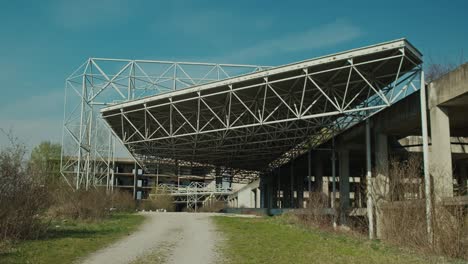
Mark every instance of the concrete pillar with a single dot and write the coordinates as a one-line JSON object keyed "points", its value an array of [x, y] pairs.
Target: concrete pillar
{"points": [[291, 177], [318, 172], [441, 154], [300, 189], [344, 183], [135, 176], [274, 189], [309, 174], [278, 191], [321, 182], [381, 181], [462, 178], [285, 186], [325, 189], [257, 196], [263, 192]]}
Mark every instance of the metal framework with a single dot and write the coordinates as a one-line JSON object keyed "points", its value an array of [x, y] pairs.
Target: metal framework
{"points": [[260, 120], [89, 146], [194, 194]]}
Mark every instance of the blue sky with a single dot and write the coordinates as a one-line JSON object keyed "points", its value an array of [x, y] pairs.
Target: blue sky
{"points": [[42, 42]]}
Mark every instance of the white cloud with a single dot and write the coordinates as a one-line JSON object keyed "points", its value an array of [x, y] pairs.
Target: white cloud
{"points": [[318, 37], [211, 24], [89, 13]]}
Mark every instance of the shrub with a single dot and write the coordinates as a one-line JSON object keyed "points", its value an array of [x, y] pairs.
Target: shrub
{"points": [[122, 201], [404, 213], [315, 213], [158, 202], [21, 198], [92, 204]]}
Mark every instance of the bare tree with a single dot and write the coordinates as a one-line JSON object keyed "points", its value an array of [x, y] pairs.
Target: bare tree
{"points": [[435, 70]]}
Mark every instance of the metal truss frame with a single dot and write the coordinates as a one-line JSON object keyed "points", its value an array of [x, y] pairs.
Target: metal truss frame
{"points": [[88, 144], [193, 194], [261, 120]]}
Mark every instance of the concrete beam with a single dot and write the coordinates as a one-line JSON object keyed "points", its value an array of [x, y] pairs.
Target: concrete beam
{"points": [[450, 86]]}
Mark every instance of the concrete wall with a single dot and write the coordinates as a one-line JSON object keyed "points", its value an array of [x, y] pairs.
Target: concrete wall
{"points": [[246, 197]]}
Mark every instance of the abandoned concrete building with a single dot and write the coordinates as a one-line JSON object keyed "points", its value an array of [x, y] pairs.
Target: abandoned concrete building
{"points": [[329, 128]]}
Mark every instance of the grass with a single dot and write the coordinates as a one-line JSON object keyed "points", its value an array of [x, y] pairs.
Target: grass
{"points": [[271, 240], [69, 241]]}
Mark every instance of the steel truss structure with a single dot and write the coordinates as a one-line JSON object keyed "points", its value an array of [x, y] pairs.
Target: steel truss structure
{"points": [[260, 120], [89, 145], [195, 194]]}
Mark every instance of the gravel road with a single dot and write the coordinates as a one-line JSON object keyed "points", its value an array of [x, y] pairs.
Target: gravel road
{"points": [[165, 238]]}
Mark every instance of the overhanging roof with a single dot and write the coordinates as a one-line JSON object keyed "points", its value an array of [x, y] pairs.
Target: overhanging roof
{"points": [[247, 122]]}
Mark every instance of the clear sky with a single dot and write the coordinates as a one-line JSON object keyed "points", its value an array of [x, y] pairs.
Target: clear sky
{"points": [[42, 42]]}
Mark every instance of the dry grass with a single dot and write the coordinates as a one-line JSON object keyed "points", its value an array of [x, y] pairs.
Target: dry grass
{"points": [[158, 200], [315, 214], [122, 201], [404, 213], [90, 204]]}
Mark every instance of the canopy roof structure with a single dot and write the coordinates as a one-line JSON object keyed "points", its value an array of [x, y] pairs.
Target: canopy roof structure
{"points": [[257, 120]]}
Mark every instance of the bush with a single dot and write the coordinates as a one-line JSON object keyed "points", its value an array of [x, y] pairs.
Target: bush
{"points": [[92, 204], [158, 202], [315, 214], [404, 214], [21, 198], [122, 201]]}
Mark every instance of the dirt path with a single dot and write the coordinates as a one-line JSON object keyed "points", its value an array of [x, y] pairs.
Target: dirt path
{"points": [[165, 238]]}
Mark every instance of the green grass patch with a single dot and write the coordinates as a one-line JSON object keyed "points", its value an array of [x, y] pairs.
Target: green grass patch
{"points": [[68, 241], [271, 240]]}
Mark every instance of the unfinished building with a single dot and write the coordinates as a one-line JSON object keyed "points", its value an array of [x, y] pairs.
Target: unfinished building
{"points": [[324, 125]]}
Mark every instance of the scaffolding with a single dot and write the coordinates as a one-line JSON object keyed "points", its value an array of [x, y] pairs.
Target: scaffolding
{"points": [[194, 194], [89, 145]]}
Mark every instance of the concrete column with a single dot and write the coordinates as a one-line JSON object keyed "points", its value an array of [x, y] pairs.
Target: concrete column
{"points": [[441, 154], [300, 189], [325, 185], [257, 195], [462, 178], [291, 177], [381, 181], [309, 173], [278, 189], [264, 196], [135, 176], [285, 186], [274, 189], [344, 183], [318, 172]]}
